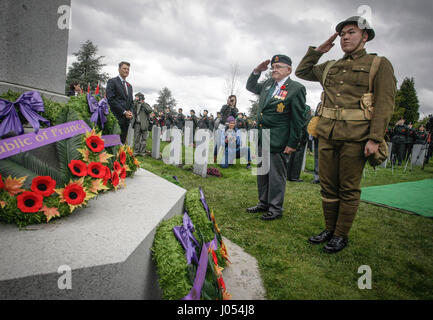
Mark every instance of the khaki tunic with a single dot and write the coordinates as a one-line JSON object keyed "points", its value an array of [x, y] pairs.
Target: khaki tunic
{"points": [[345, 83]]}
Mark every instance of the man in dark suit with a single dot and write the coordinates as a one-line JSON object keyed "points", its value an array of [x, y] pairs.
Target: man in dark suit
{"points": [[120, 99], [281, 110]]}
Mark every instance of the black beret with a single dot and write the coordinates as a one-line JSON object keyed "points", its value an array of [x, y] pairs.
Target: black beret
{"points": [[282, 59]]}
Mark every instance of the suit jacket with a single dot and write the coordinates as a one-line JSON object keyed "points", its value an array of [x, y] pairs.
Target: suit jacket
{"points": [[118, 101], [284, 117]]}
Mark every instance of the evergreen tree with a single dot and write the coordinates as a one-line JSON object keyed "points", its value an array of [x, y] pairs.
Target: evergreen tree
{"points": [[407, 99], [165, 100], [87, 69]]}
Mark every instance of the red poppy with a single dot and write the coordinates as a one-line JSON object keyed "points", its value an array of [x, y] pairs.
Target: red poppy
{"points": [[283, 87], [44, 185], [107, 175], [78, 168], [95, 143], [2, 184], [122, 157], [115, 179], [96, 170], [74, 194], [123, 173], [117, 167], [29, 201]]}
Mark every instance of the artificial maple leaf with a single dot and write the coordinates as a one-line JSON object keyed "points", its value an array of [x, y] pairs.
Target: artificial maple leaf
{"points": [[50, 212], [13, 185], [85, 153], [97, 185], [103, 157], [136, 162]]}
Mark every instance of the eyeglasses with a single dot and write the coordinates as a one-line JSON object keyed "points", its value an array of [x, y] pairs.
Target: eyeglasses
{"points": [[278, 66]]}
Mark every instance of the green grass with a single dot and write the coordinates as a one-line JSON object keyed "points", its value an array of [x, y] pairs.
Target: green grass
{"points": [[397, 246]]}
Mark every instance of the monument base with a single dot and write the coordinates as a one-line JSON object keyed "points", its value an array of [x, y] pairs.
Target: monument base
{"points": [[106, 247], [6, 86]]}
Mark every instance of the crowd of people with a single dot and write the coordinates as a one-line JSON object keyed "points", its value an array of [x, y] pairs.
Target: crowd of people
{"points": [[403, 137]]}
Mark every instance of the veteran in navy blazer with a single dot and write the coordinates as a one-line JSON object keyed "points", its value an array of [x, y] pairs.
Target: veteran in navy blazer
{"points": [[120, 98]]}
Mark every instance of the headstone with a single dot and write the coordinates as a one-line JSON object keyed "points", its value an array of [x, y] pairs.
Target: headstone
{"points": [[156, 142], [34, 39], [201, 153], [189, 133], [172, 153], [304, 160], [418, 154], [130, 136], [164, 134], [384, 164]]}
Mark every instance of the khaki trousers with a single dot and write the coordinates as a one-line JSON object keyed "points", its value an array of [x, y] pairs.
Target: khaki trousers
{"points": [[340, 170]]}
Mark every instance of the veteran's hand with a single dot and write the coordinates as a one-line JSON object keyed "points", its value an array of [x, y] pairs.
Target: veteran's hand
{"points": [[263, 66], [288, 150], [328, 44], [370, 148]]}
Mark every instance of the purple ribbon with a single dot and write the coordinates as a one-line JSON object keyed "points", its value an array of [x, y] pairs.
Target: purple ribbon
{"points": [[203, 201], [186, 238], [195, 292], [29, 103], [111, 140], [99, 110]]}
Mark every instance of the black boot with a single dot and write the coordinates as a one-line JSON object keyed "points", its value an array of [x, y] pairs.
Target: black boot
{"points": [[335, 244], [256, 209], [323, 236]]}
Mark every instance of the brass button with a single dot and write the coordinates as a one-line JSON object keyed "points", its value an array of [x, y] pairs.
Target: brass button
{"points": [[341, 82], [338, 94], [336, 106], [261, 113], [260, 126], [344, 70]]}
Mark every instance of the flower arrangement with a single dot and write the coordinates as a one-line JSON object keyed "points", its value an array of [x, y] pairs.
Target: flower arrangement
{"points": [[95, 171], [176, 275]]}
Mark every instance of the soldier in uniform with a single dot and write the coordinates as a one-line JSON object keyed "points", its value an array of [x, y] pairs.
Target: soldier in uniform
{"points": [[410, 139], [281, 108], [399, 142], [194, 120], [140, 123], [203, 123], [180, 119], [350, 127]]}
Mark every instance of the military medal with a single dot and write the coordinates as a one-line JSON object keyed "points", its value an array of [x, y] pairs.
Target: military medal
{"points": [[280, 107]]}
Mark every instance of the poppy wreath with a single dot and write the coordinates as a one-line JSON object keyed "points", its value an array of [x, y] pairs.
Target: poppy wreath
{"points": [[95, 171]]}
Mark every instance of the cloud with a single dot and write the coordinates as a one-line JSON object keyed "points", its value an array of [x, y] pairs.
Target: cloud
{"points": [[189, 45]]}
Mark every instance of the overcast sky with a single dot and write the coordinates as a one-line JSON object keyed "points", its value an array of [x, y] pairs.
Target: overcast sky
{"points": [[189, 46]]}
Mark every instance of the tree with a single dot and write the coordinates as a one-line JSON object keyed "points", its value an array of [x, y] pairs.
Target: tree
{"points": [[165, 100], [87, 69], [232, 84], [407, 99], [252, 112]]}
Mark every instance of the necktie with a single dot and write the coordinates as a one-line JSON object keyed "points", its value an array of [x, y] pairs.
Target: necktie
{"points": [[124, 87]]}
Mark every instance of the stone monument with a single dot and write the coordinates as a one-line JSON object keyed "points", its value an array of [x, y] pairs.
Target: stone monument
{"points": [[34, 37]]}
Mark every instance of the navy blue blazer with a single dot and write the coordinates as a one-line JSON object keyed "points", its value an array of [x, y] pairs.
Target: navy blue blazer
{"points": [[118, 101]]}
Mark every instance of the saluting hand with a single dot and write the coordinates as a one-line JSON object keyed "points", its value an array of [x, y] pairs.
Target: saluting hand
{"points": [[328, 44], [263, 66]]}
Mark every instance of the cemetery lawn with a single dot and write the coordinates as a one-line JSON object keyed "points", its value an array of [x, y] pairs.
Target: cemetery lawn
{"points": [[396, 246]]}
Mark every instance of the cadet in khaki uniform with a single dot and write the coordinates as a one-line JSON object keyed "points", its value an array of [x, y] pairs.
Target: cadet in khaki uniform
{"points": [[281, 110], [349, 131]]}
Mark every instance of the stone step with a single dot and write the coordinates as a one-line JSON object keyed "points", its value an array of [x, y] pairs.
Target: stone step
{"points": [[106, 246]]}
